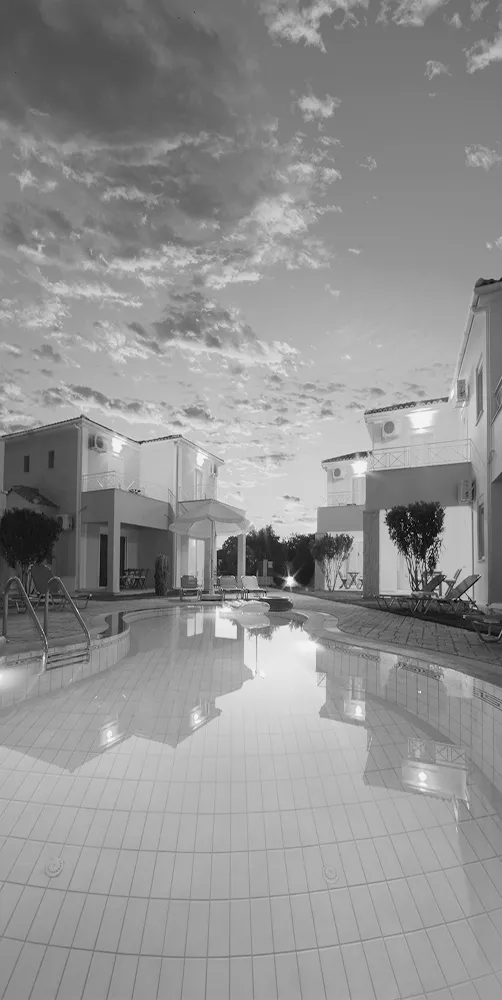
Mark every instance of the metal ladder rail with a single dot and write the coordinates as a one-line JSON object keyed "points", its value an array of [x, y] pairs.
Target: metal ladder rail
{"points": [[73, 607], [24, 595]]}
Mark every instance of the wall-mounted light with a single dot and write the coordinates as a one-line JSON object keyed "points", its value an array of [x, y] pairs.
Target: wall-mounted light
{"points": [[360, 467], [423, 420], [200, 459], [117, 446], [422, 777]]}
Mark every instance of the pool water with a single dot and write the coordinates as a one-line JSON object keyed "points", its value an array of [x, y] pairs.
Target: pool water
{"points": [[238, 811]]}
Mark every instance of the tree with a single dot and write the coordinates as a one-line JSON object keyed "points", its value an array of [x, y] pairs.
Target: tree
{"points": [[27, 537], [260, 545], [329, 552], [416, 532], [301, 562], [161, 575]]}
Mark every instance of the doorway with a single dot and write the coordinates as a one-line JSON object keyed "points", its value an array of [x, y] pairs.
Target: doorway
{"points": [[123, 554], [103, 559]]}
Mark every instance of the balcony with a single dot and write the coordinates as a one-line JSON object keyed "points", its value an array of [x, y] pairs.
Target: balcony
{"points": [[416, 455], [117, 481], [341, 499]]}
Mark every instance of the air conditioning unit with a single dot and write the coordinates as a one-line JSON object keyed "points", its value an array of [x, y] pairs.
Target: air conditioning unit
{"points": [[337, 474], [390, 429], [96, 442], [462, 394], [466, 491], [65, 521]]}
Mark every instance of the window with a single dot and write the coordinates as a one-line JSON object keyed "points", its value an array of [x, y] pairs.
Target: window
{"points": [[479, 391], [51, 459], [26, 463], [481, 530]]}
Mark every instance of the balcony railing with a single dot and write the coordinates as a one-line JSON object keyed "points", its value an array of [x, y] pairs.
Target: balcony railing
{"points": [[117, 481], [341, 499], [207, 492], [416, 455]]}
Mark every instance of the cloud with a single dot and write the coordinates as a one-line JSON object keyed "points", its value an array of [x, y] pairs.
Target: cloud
{"points": [[303, 25], [27, 179], [315, 108], [370, 163], [335, 292], [47, 352], [353, 250], [454, 22], [477, 8], [290, 499], [481, 156], [483, 53], [152, 69], [195, 323], [415, 12], [10, 348], [434, 68]]}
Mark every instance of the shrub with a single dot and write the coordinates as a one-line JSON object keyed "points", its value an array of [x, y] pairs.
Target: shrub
{"points": [[161, 575], [27, 537]]}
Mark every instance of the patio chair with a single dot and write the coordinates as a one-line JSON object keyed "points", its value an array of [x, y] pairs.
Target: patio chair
{"points": [[229, 585], [456, 602], [386, 602], [40, 576], [190, 585], [250, 585]]}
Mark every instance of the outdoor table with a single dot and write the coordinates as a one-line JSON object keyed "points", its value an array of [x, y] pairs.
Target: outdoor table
{"points": [[353, 578], [492, 621], [344, 582], [359, 583]]}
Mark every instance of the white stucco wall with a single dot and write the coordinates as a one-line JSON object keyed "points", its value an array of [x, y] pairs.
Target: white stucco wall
{"points": [[456, 552]]}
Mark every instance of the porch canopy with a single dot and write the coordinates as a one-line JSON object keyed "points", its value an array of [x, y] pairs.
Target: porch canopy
{"points": [[205, 519]]}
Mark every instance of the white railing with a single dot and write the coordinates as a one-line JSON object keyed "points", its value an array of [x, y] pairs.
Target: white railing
{"points": [[118, 481], [207, 492], [437, 753], [340, 499], [414, 455]]}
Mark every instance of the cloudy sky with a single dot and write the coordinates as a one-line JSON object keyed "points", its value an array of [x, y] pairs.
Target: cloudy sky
{"points": [[245, 222]]}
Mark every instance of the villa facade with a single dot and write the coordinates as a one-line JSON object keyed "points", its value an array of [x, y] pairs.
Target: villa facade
{"points": [[116, 498], [447, 449]]}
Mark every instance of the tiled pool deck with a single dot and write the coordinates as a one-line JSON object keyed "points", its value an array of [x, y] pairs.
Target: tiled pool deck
{"points": [[271, 853]]}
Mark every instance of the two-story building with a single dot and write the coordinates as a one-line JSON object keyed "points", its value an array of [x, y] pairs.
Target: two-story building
{"points": [[419, 451], [343, 513], [115, 498]]}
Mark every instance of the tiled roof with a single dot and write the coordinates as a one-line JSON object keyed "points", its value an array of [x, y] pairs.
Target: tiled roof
{"points": [[408, 406], [33, 496], [81, 418], [347, 458]]}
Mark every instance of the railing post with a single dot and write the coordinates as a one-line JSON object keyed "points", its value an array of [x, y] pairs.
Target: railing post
{"points": [[46, 612]]}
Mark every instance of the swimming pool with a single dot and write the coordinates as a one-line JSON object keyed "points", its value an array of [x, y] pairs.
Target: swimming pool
{"points": [[243, 812]]}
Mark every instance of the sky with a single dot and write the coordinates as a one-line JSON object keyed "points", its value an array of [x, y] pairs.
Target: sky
{"points": [[244, 222]]}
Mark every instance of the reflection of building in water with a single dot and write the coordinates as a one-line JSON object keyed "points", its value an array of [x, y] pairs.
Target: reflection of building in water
{"points": [[436, 769], [201, 664], [345, 699]]}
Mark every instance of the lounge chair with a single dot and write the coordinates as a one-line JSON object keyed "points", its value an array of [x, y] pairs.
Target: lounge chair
{"points": [[456, 603], [190, 585], [229, 585], [251, 586], [386, 602], [40, 577]]}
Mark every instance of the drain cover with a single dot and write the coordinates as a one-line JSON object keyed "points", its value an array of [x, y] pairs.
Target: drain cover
{"points": [[330, 874], [54, 867]]}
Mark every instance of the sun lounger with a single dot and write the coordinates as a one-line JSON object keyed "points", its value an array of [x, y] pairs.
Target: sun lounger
{"points": [[229, 585], [387, 602], [251, 586], [40, 576], [189, 585], [456, 603]]}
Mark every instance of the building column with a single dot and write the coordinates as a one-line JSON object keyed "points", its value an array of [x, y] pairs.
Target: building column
{"points": [[113, 567], [241, 555], [371, 552]]}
